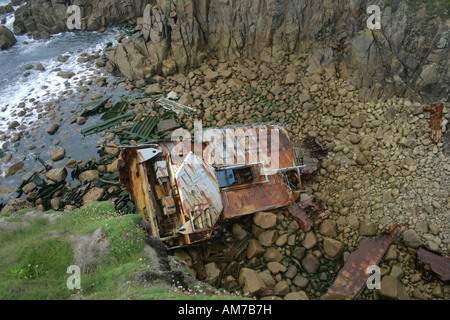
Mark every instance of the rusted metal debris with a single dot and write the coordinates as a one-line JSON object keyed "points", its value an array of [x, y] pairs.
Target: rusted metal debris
{"points": [[317, 149], [433, 265], [185, 193], [352, 278], [309, 213], [232, 254], [436, 112]]}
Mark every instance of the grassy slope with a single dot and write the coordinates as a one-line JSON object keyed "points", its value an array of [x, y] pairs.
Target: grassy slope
{"points": [[34, 259]]}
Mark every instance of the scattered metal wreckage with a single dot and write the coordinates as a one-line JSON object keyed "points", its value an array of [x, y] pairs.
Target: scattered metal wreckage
{"points": [[309, 213], [436, 114], [352, 278], [184, 194], [433, 265]]}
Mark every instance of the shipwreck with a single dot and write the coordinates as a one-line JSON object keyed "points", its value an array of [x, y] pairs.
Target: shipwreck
{"points": [[184, 187]]}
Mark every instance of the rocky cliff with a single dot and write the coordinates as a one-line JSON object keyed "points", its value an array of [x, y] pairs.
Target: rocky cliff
{"points": [[407, 57]]}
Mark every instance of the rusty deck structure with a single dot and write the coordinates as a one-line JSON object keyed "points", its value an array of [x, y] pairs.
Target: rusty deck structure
{"points": [[184, 188]]}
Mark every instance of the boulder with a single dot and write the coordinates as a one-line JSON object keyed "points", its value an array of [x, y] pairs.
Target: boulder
{"points": [[57, 175], [272, 254], [66, 74], [15, 205], [299, 295], [88, 176], [391, 288], [276, 267], [93, 195], [268, 238], [333, 248], [251, 282], [58, 154], [411, 239], [328, 228], [52, 129], [12, 170], [265, 220], [254, 249], [310, 263], [310, 240], [212, 271], [367, 228], [7, 38]]}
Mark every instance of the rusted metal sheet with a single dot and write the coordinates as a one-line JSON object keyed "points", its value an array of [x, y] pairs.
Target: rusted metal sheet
{"points": [[433, 264], [436, 114], [317, 149], [309, 213], [352, 278], [199, 193]]}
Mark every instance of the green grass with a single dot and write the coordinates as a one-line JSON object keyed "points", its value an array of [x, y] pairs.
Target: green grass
{"points": [[34, 259]]}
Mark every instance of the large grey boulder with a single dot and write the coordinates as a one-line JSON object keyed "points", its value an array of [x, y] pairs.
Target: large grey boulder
{"points": [[7, 39]]}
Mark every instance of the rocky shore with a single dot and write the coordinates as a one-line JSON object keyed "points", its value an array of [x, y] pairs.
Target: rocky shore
{"points": [[382, 167]]}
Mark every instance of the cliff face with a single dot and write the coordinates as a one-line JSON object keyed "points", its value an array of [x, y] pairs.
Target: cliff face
{"points": [[407, 57]]}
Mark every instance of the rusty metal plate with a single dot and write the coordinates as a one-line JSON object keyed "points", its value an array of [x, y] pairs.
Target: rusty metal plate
{"points": [[434, 264], [309, 213], [352, 278]]}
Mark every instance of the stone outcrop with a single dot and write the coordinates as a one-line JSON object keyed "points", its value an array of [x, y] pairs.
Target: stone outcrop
{"points": [[7, 39], [407, 57]]}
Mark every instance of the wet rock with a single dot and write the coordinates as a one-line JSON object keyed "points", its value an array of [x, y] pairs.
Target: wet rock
{"points": [[7, 158], [7, 38], [12, 170], [13, 125], [71, 163], [81, 121], [52, 129], [30, 187], [57, 175], [58, 154], [66, 74], [88, 176]]}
